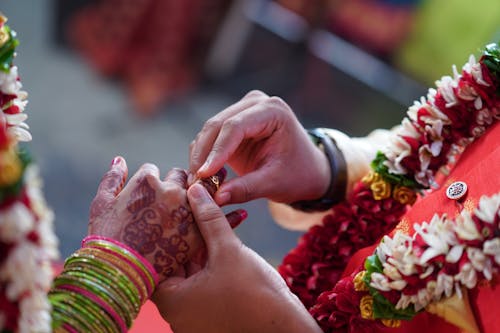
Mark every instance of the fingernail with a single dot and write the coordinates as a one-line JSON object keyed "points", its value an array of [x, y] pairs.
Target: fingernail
{"points": [[236, 217], [243, 214], [222, 198], [221, 174], [116, 161], [198, 192], [202, 169]]}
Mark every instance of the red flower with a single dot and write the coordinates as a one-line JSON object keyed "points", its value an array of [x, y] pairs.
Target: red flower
{"points": [[323, 252]]}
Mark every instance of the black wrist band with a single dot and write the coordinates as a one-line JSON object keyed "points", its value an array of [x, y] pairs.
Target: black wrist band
{"points": [[338, 182]]}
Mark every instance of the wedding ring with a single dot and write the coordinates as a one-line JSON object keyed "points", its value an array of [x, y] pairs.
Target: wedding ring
{"points": [[215, 181]]}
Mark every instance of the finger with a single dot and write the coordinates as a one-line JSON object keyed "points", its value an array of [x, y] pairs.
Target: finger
{"points": [[257, 122], [213, 183], [246, 188], [177, 176], [210, 219], [201, 146], [149, 171], [236, 217], [113, 180]]}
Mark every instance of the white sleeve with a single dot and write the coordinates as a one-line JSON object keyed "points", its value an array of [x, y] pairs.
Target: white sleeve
{"points": [[358, 154]]}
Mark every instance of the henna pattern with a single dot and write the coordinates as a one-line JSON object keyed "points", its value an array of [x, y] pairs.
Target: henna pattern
{"points": [[141, 197], [142, 235], [176, 247], [163, 263], [183, 218]]}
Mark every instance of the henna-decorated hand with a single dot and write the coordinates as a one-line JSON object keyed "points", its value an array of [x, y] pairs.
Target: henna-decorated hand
{"points": [[150, 215]]}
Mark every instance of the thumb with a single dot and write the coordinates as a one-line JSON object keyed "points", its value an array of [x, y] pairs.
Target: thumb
{"points": [[113, 180], [253, 185], [213, 225]]}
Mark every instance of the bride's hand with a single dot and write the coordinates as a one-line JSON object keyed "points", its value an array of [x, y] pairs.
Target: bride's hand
{"points": [[149, 214]]}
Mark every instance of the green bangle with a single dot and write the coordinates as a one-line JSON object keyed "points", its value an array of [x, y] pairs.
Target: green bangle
{"points": [[338, 181]]}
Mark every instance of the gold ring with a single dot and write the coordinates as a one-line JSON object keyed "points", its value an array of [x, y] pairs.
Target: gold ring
{"points": [[215, 181]]}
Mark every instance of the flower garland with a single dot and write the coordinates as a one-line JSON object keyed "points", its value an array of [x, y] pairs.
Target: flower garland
{"points": [[27, 240], [436, 130]]}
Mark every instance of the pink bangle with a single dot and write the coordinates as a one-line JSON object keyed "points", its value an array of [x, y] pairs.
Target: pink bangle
{"points": [[136, 254], [137, 269], [69, 328], [98, 301]]}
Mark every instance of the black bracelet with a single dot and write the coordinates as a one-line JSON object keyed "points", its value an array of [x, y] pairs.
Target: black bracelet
{"points": [[338, 183]]}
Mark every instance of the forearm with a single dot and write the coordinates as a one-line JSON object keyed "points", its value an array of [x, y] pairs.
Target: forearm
{"points": [[357, 153]]}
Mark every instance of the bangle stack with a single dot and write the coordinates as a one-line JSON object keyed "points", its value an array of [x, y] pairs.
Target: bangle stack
{"points": [[102, 288], [338, 183]]}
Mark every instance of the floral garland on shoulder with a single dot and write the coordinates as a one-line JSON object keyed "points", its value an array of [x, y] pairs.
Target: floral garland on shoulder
{"points": [[27, 241], [446, 254]]}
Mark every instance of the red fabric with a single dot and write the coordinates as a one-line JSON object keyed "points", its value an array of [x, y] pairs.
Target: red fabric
{"points": [[149, 320], [479, 169]]}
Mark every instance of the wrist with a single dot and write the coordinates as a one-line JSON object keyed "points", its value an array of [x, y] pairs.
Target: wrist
{"points": [[336, 174]]}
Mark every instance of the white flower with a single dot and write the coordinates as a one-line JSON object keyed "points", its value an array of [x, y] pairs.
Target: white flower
{"points": [[20, 269], [484, 117], [395, 153], [480, 262], [35, 314], [455, 254], [405, 301], [444, 285], [431, 289], [380, 282], [9, 83], [488, 208], [492, 248], [467, 276], [20, 133], [423, 299], [446, 86], [48, 239], [438, 235], [474, 68], [391, 272], [16, 222], [465, 227]]}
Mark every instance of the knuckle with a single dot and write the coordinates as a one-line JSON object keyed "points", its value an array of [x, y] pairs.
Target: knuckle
{"points": [[277, 103], [209, 214], [255, 93], [246, 192], [232, 124], [212, 124]]}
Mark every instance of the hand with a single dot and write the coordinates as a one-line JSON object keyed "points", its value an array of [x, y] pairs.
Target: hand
{"points": [[150, 215], [236, 291], [264, 143]]}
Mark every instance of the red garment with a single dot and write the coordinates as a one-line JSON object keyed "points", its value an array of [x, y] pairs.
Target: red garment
{"points": [[479, 169]]}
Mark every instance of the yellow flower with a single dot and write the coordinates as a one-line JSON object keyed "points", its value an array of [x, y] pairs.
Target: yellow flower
{"points": [[359, 284], [391, 322], [10, 167], [404, 195], [370, 178], [381, 189], [4, 36], [366, 307]]}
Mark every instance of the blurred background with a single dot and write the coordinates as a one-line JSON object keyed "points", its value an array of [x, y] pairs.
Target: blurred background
{"points": [[140, 77]]}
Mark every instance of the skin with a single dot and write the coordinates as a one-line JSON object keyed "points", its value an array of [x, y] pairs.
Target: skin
{"points": [[236, 291], [152, 216], [260, 138]]}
